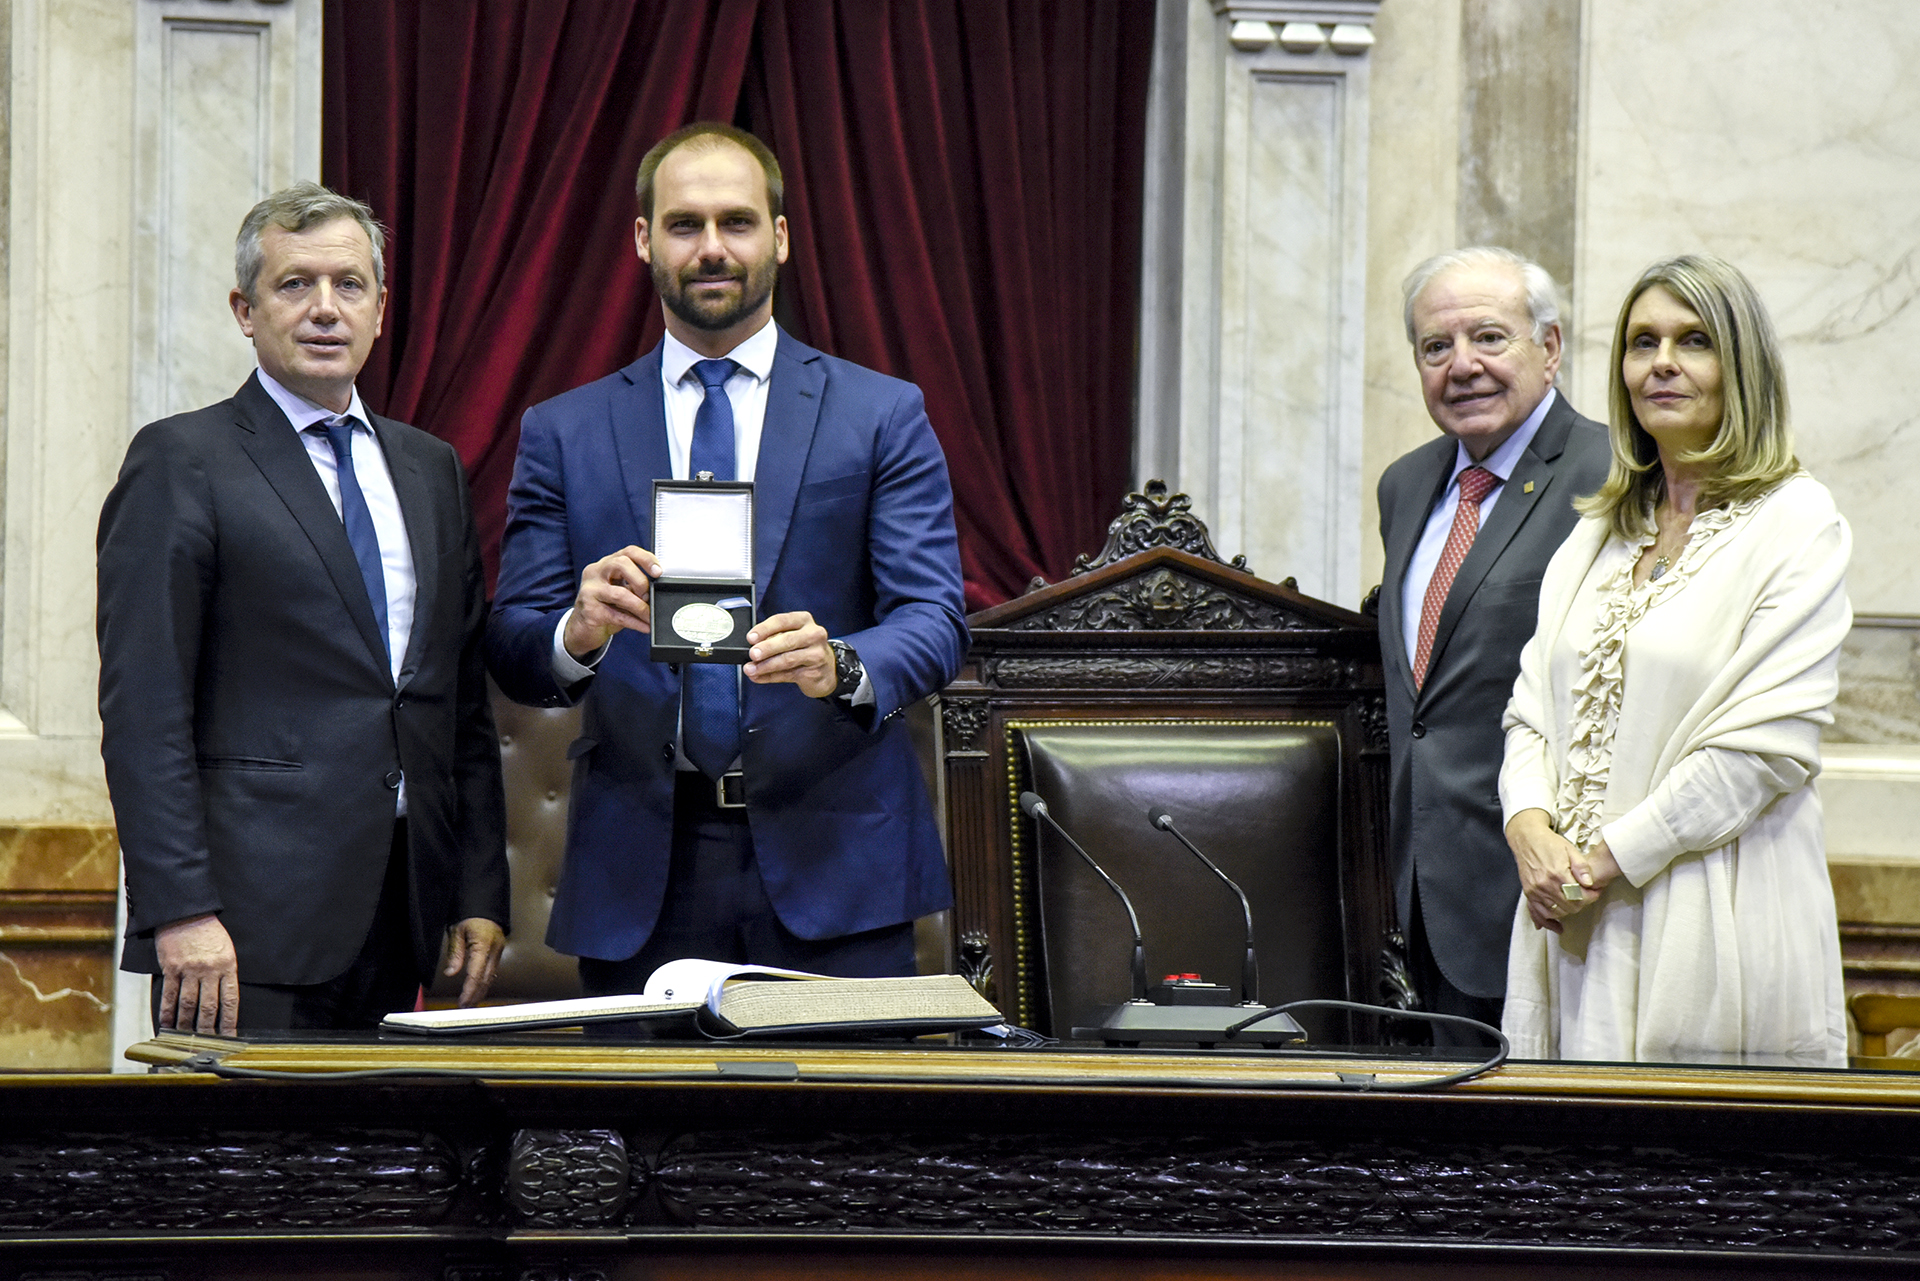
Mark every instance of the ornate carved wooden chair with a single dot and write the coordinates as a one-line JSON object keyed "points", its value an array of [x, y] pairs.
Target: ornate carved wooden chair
{"points": [[1159, 674]]}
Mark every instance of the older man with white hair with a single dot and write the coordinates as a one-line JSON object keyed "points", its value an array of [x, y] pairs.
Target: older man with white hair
{"points": [[1469, 521]]}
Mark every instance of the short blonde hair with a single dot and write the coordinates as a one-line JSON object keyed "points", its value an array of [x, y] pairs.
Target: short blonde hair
{"points": [[1753, 450]]}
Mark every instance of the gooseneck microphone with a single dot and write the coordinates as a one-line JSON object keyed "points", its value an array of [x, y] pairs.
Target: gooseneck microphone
{"points": [[1034, 807], [1250, 965]]}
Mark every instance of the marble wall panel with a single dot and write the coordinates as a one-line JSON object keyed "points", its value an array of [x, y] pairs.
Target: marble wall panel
{"points": [[1520, 62], [55, 1008], [1879, 686], [214, 168], [220, 89], [1785, 138], [1875, 892], [57, 936], [1253, 316], [68, 377], [1279, 392], [1413, 176], [63, 858], [1871, 798]]}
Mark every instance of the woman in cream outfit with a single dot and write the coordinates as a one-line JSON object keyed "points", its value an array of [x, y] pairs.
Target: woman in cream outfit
{"points": [[1665, 730]]}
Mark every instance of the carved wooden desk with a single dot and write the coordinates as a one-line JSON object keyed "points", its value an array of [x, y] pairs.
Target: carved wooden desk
{"points": [[569, 1160]]}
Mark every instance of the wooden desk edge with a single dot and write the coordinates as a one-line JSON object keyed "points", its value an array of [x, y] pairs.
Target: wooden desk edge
{"points": [[859, 1067]]}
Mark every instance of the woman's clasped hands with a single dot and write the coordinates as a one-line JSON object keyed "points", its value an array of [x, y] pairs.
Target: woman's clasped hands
{"points": [[1556, 878]]}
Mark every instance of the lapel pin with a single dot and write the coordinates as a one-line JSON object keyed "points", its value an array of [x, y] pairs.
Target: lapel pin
{"points": [[1527, 488]]}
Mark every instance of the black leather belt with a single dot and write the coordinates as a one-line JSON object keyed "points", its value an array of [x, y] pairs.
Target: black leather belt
{"points": [[728, 792]]}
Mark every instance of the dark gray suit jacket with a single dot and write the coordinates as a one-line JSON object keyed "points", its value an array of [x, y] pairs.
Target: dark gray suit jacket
{"points": [[252, 730], [1446, 737]]}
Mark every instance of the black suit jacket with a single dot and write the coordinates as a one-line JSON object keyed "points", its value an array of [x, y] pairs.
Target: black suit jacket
{"points": [[252, 730], [1446, 738]]}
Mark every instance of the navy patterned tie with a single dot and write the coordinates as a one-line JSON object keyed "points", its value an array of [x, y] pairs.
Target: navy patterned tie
{"points": [[359, 521], [710, 702]]}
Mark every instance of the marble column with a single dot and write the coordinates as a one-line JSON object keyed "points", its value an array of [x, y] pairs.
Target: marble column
{"points": [[1254, 285]]}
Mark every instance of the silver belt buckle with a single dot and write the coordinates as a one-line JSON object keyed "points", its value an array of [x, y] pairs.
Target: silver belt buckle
{"points": [[730, 791]]}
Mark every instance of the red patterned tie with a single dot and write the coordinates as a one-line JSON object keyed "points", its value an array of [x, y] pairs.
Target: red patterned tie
{"points": [[1475, 484]]}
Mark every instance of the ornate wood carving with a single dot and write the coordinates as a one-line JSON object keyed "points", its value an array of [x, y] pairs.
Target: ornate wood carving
{"points": [[976, 962], [567, 1178], [1396, 975], [204, 1181], [1373, 722], [1355, 1191], [1154, 518], [1161, 600], [962, 719], [1262, 671]]}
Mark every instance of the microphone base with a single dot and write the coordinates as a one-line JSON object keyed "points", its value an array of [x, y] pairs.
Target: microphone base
{"points": [[1144, 1023]]}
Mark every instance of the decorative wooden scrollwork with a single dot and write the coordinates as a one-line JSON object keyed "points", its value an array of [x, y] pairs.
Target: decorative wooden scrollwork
{"points": [[976, 962], [962, 720], [229, 1181], [1164, 600], [1373, 722], [1285, 671], [567, 1178], [1471, 1190], [1155, 518]]}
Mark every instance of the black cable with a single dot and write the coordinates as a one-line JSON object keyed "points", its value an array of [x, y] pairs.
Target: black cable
{"points": [[1460, 1020]]}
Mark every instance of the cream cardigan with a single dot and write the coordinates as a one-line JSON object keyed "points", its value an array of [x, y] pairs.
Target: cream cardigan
{"points": [[1681, 720]]}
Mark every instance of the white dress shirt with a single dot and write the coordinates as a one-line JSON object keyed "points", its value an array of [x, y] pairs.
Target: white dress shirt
{"points": [[383, 504], [1433, 540], [683, 395]]}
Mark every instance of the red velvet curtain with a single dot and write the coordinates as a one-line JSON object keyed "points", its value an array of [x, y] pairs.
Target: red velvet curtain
{"points": [[963, 189]]}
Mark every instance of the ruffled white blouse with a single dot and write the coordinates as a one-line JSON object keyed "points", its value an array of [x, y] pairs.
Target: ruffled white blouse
{"points": [[1680, 720]]}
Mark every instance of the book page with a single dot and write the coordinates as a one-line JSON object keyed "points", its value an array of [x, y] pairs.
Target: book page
{"points": [[692, 979], [928, 998], [583, 1009]]}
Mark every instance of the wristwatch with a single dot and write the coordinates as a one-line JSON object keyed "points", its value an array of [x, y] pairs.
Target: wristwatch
{"points": [[847, 670]]}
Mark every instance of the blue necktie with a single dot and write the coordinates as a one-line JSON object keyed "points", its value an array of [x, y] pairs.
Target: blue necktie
{"points": [[710, 703], [358, 520]]}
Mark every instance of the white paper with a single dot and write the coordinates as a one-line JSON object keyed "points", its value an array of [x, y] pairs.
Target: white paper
{"points": [[578, 1009], [699, 535], [694, 979]]}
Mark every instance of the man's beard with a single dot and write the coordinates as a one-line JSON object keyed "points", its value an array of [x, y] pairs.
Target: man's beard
{"points": [[756, 286]]}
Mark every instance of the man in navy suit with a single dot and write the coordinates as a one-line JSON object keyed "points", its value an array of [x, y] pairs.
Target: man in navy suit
{"points": [[773, 813]]}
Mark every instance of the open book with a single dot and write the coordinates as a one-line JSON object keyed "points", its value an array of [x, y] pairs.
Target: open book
{"points": [[724, 1000]]}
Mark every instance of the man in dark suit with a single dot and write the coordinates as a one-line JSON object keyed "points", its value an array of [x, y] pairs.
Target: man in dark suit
{"points": [[1469, 522], [292, 690], [780, 818]]}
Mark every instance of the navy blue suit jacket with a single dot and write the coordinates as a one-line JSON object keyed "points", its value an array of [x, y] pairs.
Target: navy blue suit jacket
{"points": [[853, 523]]}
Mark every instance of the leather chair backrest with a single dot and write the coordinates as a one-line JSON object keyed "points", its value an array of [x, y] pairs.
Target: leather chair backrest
{"points": [[533, 761], [1261, 799]]}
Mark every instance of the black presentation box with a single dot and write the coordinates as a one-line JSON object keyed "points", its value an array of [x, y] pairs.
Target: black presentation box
{"points": [[703, 602]]}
